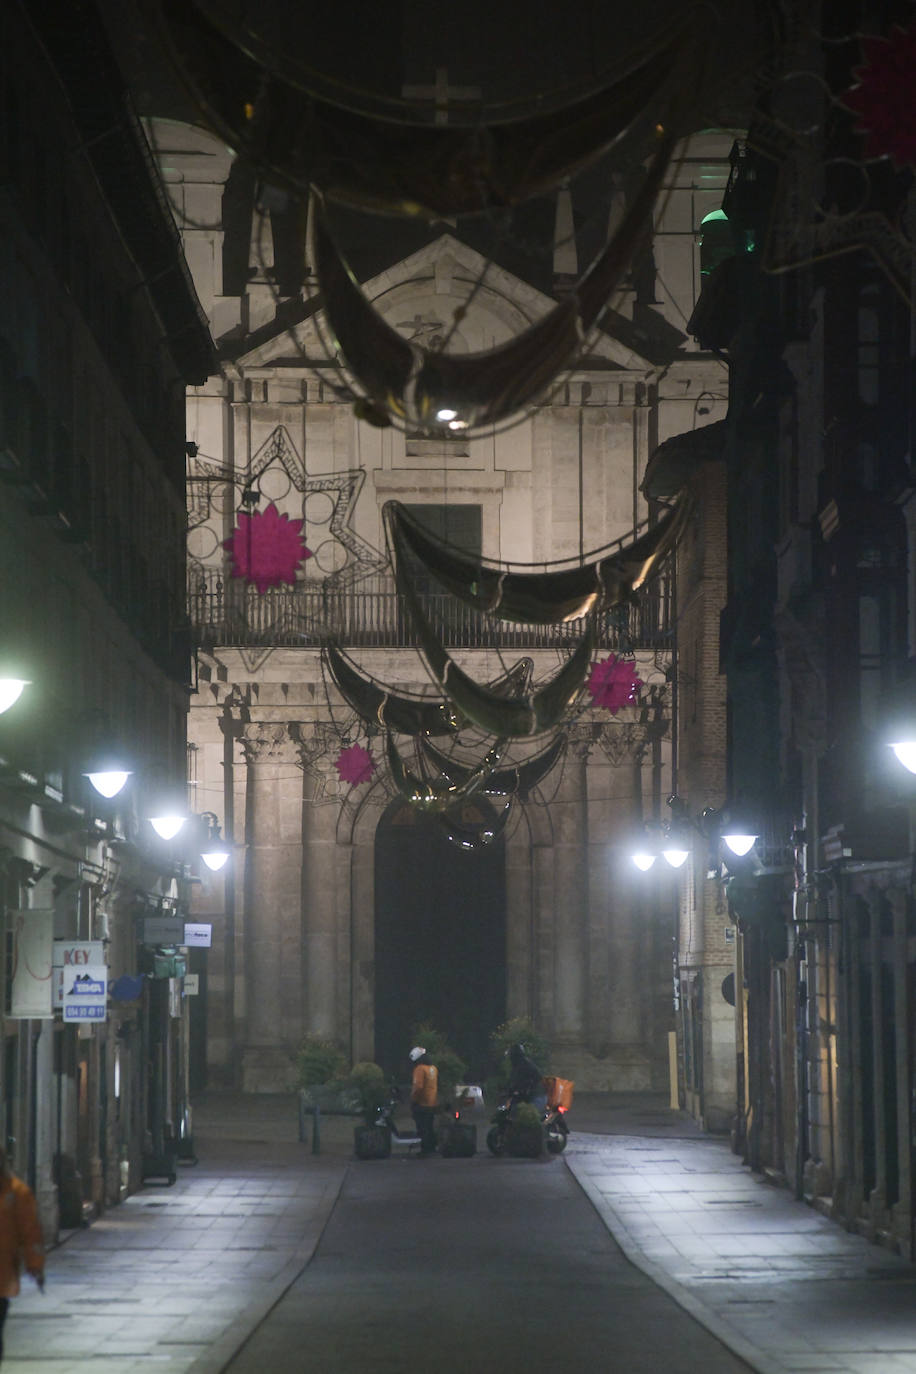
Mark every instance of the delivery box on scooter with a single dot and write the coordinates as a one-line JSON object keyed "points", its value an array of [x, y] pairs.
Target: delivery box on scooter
{"points": [[559, 1092]]}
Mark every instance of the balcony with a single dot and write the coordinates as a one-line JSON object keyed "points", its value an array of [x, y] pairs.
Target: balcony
{"points": [[371, 614]]}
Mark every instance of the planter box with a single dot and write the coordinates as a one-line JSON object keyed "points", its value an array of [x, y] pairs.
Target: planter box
{"points": [[458, 1140], [371, 1142], [525, 1142]]}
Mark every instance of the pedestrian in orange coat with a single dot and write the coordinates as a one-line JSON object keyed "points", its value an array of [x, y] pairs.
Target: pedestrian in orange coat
{"points": [[424, 1095], [20, 1237]]}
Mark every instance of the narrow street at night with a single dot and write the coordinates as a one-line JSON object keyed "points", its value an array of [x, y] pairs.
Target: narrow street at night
{"points": [[646, 1247]]}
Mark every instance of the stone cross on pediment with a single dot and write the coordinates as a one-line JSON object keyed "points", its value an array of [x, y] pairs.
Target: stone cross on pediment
{"points": [[443, 95]]}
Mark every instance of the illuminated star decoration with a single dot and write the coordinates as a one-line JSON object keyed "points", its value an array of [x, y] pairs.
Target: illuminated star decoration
{"points": [[355, 765], [882, 99], [267, 548], [613, 682]]}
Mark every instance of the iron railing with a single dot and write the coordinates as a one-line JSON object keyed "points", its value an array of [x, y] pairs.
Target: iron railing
{"points": [[372, 614]]}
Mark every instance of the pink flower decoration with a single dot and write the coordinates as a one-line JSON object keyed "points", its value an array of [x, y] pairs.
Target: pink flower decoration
{"points": [[613, 682], [883, 96], [267, 548], [355, 765]]}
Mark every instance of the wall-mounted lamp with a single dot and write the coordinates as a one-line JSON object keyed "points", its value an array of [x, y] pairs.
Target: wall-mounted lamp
{"points": [[673, 840], [11, 689], [215, 853]]}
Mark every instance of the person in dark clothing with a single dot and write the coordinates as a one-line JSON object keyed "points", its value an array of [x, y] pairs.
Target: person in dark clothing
{"points": [[525, 1079]]}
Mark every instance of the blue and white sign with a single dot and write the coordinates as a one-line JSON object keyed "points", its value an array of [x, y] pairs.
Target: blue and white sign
{"points": [[86, 993]]}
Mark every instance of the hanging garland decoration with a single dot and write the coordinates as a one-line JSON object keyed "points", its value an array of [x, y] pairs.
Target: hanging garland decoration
{"points": [[445, 393], [355, 765], [613, 683], [515, 780], [542, 598], [882, 98], [266, 548]]}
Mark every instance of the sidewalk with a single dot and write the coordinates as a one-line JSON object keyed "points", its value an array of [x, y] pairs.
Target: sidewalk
{"points": [[176, 1278], [780, 1285]]}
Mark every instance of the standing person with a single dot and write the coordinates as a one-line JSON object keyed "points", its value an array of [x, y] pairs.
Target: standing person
{"points": [[424, 1095], [20, 1237]]}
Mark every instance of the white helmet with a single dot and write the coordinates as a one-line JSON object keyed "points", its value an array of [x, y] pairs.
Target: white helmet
{"points": [[416, 1053]]}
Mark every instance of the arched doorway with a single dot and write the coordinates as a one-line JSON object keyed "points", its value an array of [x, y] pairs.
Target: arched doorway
{"points": [[440, 935]]}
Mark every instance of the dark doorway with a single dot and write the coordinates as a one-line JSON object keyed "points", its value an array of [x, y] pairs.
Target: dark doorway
{"points": [[440, 936]]}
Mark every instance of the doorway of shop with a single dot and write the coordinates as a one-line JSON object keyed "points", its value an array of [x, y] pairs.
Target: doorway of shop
{"points": [[440, 937]]}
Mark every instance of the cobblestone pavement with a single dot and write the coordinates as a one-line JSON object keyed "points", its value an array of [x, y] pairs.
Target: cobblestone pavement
{"points": [[180, 1278]]}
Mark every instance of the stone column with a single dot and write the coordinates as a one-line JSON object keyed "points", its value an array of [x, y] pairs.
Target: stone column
{"points": [[273, 965], [570, 855], [325, 923], [521, 931]]}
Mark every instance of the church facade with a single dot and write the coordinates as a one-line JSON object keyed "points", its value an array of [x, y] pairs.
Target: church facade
{"points": [[347, 912]]}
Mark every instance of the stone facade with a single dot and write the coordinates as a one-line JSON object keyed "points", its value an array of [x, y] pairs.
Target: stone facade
{"points": [[587, 948]]}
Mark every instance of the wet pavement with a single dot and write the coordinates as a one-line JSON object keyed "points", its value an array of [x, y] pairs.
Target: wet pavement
{"points": [[647, 1246]]}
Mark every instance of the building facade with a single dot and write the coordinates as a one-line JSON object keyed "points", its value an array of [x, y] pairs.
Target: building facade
{"points": [[330, 879], [100, 334]]}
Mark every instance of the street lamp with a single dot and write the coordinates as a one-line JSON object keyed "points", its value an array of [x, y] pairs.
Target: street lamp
{"points": [[215, 854], [11, 689]]}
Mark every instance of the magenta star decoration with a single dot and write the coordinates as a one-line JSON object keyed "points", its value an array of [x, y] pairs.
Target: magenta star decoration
{"points": [[883, 96], [355, 765], [267, 548], [613, 682]]}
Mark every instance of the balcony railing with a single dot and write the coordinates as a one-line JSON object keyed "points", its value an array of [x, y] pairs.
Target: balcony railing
{"points": [[371, 614]]}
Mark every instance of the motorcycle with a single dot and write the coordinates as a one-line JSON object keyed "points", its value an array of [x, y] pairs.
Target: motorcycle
{"points": [[553, 1119]]}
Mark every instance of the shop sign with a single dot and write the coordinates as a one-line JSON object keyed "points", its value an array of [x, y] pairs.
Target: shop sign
{"points": [[163, 930], [32, 934], [197, 936], [191, 986], [86, 993], [70, 955]]}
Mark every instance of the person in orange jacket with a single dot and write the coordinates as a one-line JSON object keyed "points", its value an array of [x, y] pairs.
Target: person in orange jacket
{"points": [[20, 1237], [424, 1095]]}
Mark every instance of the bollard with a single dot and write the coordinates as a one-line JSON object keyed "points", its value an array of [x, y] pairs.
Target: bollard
{"points": [[316, 1130], [301, 1115]]}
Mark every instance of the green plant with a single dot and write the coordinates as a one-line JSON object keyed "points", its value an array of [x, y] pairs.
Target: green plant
{"points": [[520, 1030], [319, 1061], [452, 1068], [368, 1083], [526, 1117]]}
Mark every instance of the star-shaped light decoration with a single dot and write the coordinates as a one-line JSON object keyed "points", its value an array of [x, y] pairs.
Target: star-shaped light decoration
{"points": [[883, 95], [614, 682], [267, 548], [355, 765]]}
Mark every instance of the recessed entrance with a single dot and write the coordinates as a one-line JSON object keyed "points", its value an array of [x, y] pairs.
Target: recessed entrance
{"points": [[440, 936]]}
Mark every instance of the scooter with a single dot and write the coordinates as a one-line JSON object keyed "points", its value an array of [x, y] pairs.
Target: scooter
{"points": [[402, 1140], [553, 1119]]}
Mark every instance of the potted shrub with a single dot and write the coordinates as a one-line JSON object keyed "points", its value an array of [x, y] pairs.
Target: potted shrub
{"points": [[371, 1140], [525, 1133]]}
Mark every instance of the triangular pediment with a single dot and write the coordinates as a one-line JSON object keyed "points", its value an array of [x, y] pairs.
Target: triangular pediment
{"points": [[445, 289]]}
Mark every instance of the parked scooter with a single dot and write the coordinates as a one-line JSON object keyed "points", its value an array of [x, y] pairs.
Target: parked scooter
{"points": [[553, 1118], [401, 1140]]}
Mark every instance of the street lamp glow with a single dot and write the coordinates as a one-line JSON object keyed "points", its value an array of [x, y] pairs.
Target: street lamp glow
{"points": [[215, 859], [109, 781], [643, 860], [905, 753], [675, 857], [739, 843], [168, 826], [11, 689]]}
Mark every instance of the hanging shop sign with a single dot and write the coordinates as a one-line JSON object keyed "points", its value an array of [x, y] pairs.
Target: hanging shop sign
{"points": [[70, 956], [163, 930], [32, 935], [197, 936], [86, 993]]}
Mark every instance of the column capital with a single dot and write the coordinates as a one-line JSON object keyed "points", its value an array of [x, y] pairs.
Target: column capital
{"points": [[268, 741]]}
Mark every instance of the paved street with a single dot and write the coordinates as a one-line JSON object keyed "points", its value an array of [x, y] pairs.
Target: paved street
{"points": [[265, 1256]]}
